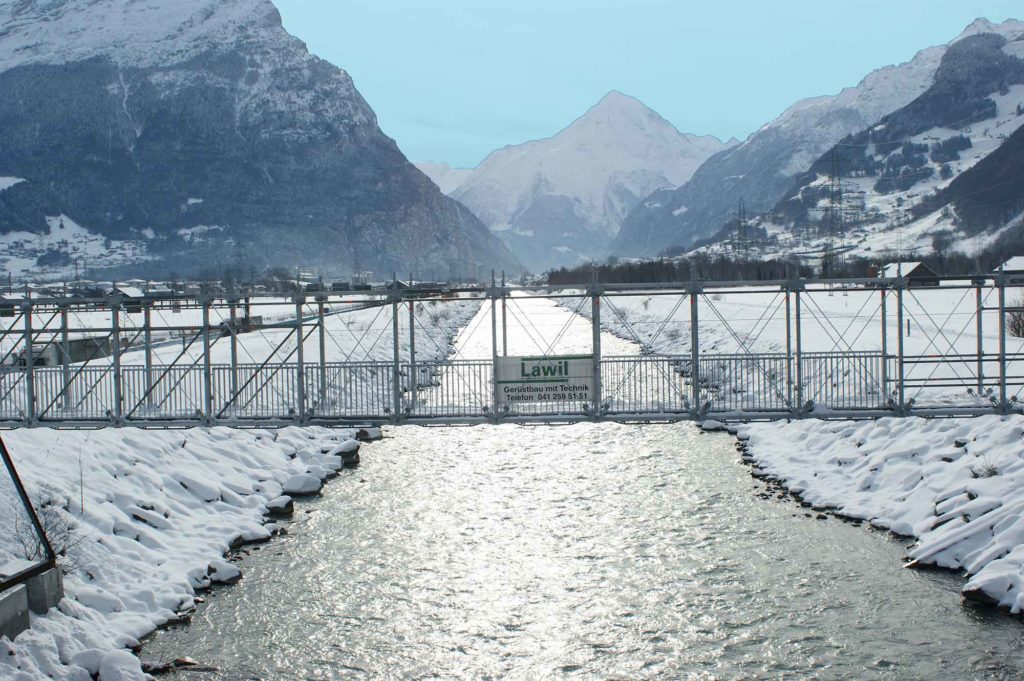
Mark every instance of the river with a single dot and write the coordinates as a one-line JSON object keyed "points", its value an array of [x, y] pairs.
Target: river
{"points": [[582, 551]]}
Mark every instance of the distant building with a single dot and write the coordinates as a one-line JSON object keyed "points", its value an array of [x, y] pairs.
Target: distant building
{"points": [[1014, 270], [916, 273]]}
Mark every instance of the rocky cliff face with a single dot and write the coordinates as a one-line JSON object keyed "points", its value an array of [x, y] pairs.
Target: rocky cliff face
{"points": [[764, 167], [204, 131]]}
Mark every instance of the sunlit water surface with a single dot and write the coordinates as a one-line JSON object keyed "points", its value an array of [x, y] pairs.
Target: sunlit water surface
{"points": [[584, 551]]}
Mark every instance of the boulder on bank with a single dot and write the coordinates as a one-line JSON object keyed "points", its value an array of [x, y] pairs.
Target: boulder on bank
{"points": [[303, 485], [348, 451], [281, 506], [369, 434], [222, 572]]}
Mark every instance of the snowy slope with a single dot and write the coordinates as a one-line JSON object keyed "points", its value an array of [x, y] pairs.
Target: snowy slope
{"points": [[763, 168], [447, 178], [560, 199], [895, 175]]}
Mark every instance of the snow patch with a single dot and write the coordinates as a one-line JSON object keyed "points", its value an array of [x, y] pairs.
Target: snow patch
{"points": [[8, 182]]}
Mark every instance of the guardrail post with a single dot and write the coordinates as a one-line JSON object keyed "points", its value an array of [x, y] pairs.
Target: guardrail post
{"points": [[979, 306], [30, 366], [695, 291], [1004, 403], [495, 395], [901, 374], [789, 346], [115, 343], [322, 334], [798, 320], [413, 376], [504, 320], [885, 343], [300, 359], [233, 328], [147, 341], [396, 383], [65, 362], [207, 365], [595, 329]]}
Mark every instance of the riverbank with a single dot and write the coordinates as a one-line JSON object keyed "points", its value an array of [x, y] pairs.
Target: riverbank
{"points": [[147, 518], [956, 485]]}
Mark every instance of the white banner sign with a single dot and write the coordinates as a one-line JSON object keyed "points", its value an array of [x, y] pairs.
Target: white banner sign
{"points": [[530, 380]]}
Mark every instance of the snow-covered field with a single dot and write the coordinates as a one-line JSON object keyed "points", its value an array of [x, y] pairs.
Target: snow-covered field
{"points": [[938, 321], [352, 333], [955, 484], [153, 515]]}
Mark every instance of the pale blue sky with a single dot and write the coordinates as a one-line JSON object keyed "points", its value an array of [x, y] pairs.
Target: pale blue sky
{"points": [[452, 80]]}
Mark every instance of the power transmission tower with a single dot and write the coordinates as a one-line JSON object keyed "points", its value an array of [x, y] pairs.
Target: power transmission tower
{"points": [[835, 221], [742, 242]]}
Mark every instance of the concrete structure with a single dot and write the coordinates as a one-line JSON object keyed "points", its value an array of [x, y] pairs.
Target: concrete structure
{"points": [[14, 611], [45, 591]]}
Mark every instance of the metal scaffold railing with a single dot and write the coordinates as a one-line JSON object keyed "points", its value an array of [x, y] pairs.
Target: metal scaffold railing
{"points": [[700, 349]]}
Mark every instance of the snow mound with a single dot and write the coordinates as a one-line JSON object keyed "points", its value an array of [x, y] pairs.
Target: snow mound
{"points": [[154, 514], [956, 485], [303, 485]]}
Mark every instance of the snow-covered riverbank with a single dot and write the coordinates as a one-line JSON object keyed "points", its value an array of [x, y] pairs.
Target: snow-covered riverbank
{"points": [[153, 515], [955, 484]]}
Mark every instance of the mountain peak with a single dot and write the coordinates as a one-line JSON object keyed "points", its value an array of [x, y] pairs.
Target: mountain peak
{"points": [[618, 106]]}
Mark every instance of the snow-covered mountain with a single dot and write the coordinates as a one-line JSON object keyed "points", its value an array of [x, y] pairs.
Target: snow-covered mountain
{"points": [[152, 121], [764, 167], [940, 174], [558, 200]]}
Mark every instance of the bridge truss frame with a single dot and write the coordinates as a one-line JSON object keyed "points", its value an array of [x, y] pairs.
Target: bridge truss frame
{"points": [[745, 384]]}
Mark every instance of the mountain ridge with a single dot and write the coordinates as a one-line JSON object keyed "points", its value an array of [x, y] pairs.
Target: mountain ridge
{"points": [[762, 168], [559, 199], [212, 120]]}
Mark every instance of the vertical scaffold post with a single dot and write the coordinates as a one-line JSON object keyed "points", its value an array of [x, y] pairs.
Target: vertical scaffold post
{"points": [[595, 328], [322, 339], [1004, 401], [300, 361], [504, 318], [413, 375], [115, 347], [695, 291], [65, 360], [495, 395], [147, 342], [789, 344], [901, 370], [30, 366], [884, 306], [798, 325], [979, 312], [207, 364], [396, 383], [233, 330]]}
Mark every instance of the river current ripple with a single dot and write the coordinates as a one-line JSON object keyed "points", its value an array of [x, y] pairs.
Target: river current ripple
{"points": [[586, 551]]}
